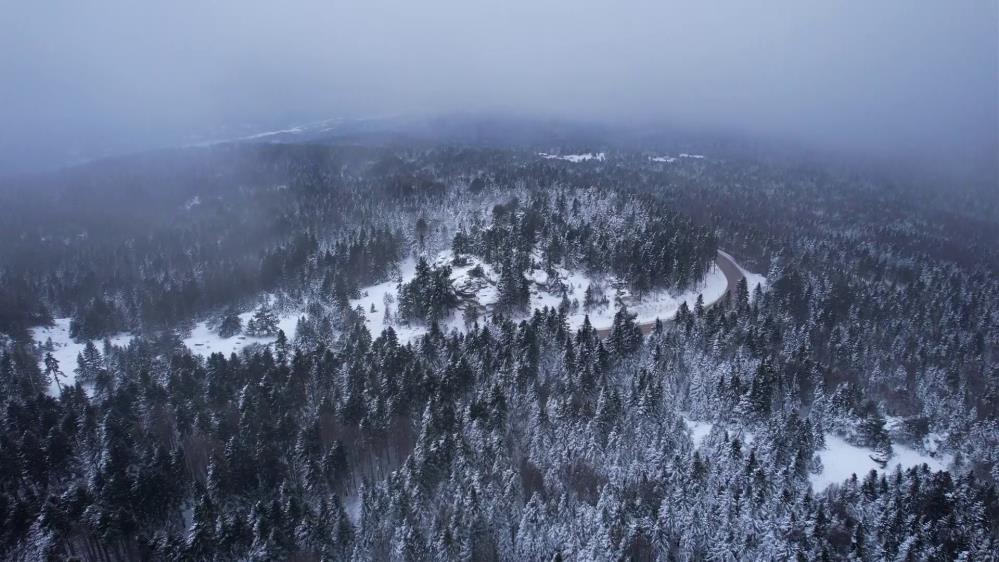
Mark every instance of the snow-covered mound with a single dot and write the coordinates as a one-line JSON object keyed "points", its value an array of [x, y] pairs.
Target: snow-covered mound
{"points": [[574, 158], [65, 350]]}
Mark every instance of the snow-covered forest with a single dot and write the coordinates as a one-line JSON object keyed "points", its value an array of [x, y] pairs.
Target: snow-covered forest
{"points": [[404, 352]]}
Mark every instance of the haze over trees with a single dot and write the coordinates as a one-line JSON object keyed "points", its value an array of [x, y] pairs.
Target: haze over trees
{"points": [[462, 281], [510, 435]]}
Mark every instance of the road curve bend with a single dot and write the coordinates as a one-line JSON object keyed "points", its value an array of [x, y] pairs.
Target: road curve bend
{"points": [[733, 274]]}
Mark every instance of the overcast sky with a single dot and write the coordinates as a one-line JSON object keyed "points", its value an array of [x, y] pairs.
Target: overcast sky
{"points": [[79, 78]]}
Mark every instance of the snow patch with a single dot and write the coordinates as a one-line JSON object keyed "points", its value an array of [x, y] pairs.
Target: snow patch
{"points": [[373, 301], [841, 459], [65, 350], [204, 340], [698, 430], [574, 158], [352, 506]]}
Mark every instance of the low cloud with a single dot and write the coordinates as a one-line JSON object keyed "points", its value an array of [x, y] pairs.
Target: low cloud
{"points": [[86, 78]]}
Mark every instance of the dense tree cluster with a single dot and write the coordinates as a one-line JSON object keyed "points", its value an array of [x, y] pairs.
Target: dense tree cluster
{"points": [[430, 296], [636, 238], [519, 438], [515, 441]]}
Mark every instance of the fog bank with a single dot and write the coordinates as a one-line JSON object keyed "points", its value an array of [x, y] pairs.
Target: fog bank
{"points": [[87, 79]]}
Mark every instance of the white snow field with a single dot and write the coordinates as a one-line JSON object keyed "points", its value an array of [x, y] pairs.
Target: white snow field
{"points": [[841, 459], [474, 279], [574, 158], [376, 295], [698, 430], [65, 350], [205, 341], [481, 289], [667, 159], [202, 341]]}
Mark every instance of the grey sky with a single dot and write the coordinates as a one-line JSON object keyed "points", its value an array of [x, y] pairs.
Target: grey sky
{"points": [[79, 78]]}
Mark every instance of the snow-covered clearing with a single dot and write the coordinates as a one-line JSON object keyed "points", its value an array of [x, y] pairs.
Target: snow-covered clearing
{"points": [[840, 460], [574, 158], [65, 350], [698, 430], [477, 282], [352, 504], [375, 298], [660, 304], [667, 159], [473, 278], [204, 340], [663, 159]]}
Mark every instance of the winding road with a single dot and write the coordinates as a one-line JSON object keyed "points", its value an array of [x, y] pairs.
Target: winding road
{"points": [[733, 274]]}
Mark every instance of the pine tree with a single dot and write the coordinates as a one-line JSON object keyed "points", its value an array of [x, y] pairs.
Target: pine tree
{"points": [[263, 323], [52, 371], [626, 336], [88, 363], [231, 325]]}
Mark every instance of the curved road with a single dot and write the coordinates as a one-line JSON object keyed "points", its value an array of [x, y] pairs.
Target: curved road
{"points": [[732, 273]]}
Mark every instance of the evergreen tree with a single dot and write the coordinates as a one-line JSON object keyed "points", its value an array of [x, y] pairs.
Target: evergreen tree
{"points": [[625, 336]]}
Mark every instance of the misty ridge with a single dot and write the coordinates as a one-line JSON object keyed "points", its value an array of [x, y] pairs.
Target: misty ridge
{"points": [[490, 281], [94, 80]]}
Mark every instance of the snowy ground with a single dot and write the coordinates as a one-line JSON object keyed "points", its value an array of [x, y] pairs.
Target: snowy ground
{"points": [[667, 159], [546, 290], [202, 341], [657, 304], [205, 341], [574, 158], [65, 350], [840, 459], [376, 298], [663, 159], [387, 294], [698, 430]]}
